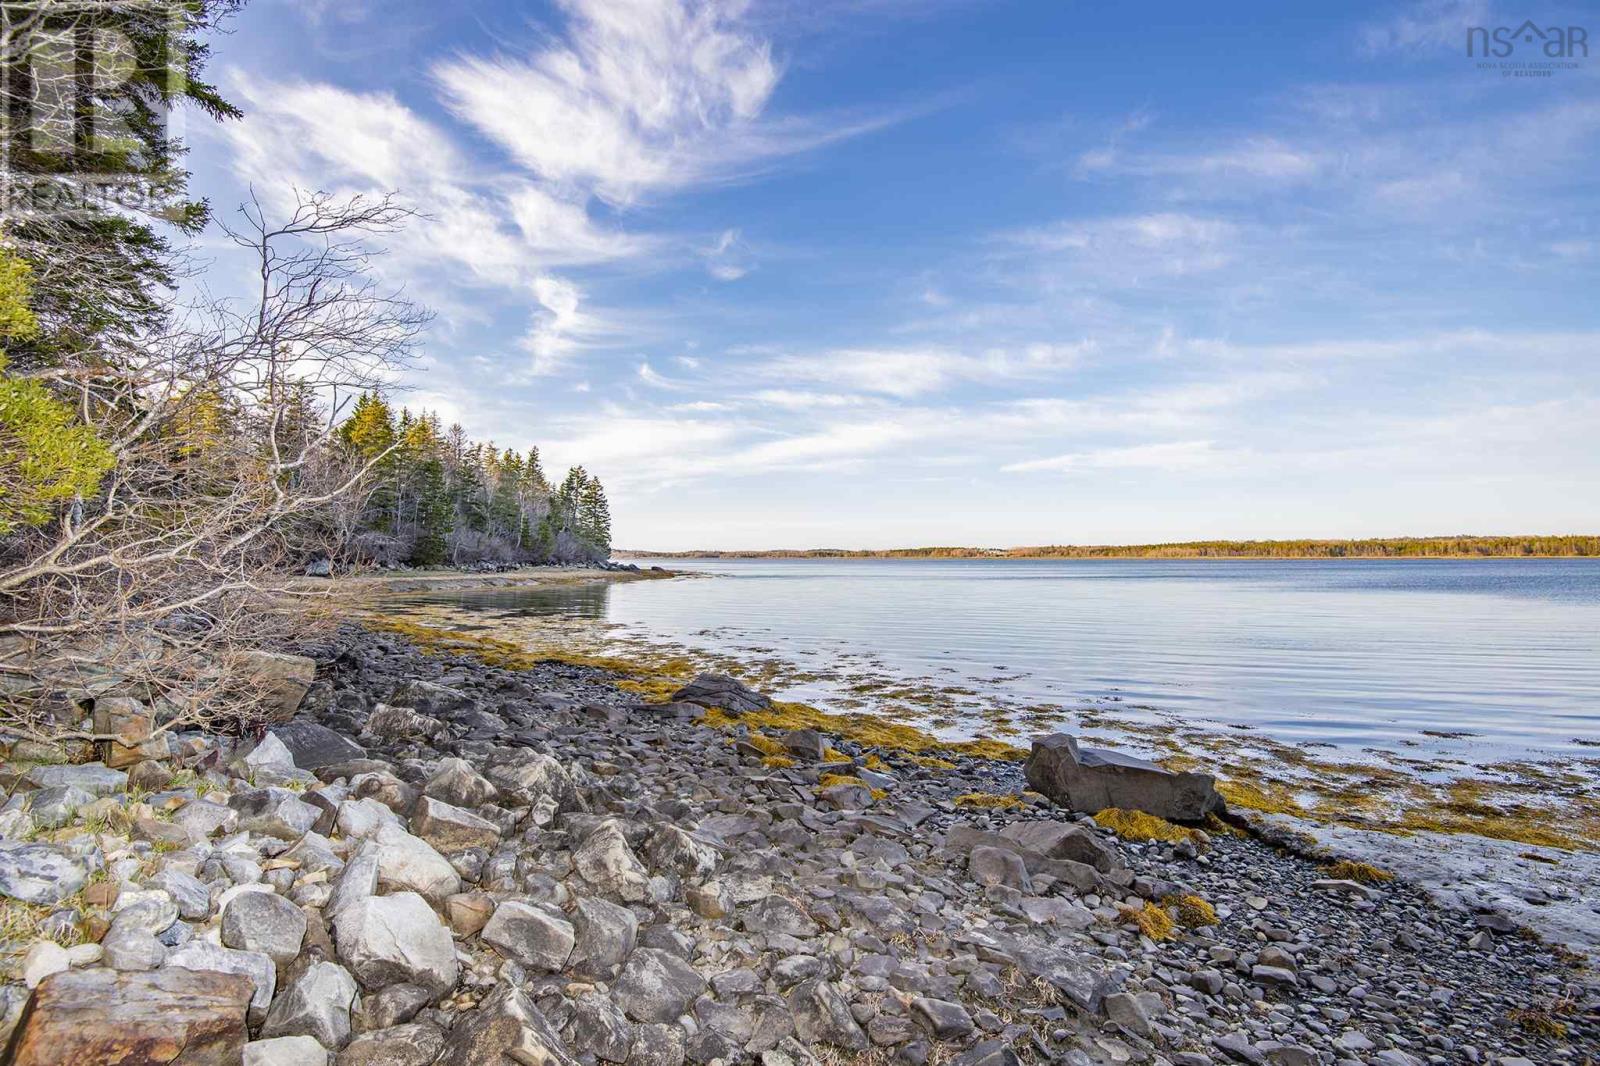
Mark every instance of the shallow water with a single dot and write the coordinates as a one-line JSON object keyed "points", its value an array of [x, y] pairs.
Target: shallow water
{"points": [[1359, 654]]}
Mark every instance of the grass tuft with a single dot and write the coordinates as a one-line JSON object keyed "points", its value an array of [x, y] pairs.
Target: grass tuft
{"points": [[1139, 826], [1151, 920], [1359, 872], [1193, 912]]}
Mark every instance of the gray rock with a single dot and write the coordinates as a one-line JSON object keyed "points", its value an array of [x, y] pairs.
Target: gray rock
{"points": [[269, 754], [417, 1044], [131, 948], [506, 1028], [192, 897], [314, 746], [316, 1004], [384, 940], [285, 1051], [943, 1019], [202, 955], [532, 936], [274, 812], [39, 873], [604, 937], [203, 819], [457, 783], [1059, 840], [407, 863], [1092, 779], [448, 828], [822, 1016], [264, 922], [606, 861], [656, 986], [95, 778], [598, 1028], [719, 690]]}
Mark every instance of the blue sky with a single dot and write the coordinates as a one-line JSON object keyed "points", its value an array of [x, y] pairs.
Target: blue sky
{"points": [[884, 272]]}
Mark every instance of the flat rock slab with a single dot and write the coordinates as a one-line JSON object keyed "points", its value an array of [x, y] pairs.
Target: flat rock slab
{"points": [[1092, 779], [719, 690], [171, 1017]]}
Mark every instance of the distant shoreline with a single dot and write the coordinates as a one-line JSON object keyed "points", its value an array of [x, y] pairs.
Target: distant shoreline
{"points": [[1462, 547]]}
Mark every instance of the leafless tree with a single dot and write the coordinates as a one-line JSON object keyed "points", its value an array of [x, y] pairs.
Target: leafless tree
{"points": [[228, 475]]}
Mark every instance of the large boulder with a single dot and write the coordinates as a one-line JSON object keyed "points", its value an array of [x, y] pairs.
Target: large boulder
{"points": [[656, 986], [173, 1017], [384, 940], [280, 678], [317, 1004], [606, 861], [458, 784], [505, 1028], [409, 863], [264, 922], [39, 873], [1092, 779], [721, 691], [314, 746], [204, 956], [535, 937], [451, 829]]}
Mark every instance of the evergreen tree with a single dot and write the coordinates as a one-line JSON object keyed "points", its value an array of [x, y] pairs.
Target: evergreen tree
{"points": [[594, 517]]}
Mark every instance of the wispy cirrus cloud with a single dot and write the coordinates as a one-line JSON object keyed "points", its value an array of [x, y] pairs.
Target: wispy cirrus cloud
{"points": [[1168, 455], [619, 102]]}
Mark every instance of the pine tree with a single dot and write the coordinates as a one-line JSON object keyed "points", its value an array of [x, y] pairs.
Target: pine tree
{"points": [[594, 517], [435, 517]]}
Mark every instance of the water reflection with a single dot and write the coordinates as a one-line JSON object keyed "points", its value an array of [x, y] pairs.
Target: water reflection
{"points": [[586, 600]]}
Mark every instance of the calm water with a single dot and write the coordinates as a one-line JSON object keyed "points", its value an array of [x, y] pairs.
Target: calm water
{"points": [[1358, 653]]}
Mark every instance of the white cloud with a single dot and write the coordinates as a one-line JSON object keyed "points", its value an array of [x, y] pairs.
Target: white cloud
{"points": [[561, 328], [1166, 242], [635, 97], [1173, 455], [1430, 25], [907, 372]]}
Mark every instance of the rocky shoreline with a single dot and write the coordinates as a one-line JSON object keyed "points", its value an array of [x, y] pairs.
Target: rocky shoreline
{"points": [[443, 862]]}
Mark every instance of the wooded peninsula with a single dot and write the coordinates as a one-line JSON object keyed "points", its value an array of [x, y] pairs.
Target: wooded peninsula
{"points": [[1456, 547]]}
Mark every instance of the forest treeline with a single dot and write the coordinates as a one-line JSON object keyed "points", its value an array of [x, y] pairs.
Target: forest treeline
{"points": [[437, 497], [1370, 548]]}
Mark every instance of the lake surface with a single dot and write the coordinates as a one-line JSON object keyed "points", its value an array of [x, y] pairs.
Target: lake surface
{"points": [[1360, 654]]}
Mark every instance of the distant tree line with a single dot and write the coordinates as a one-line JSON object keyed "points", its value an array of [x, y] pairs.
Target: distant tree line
{"points": [[437, 497], [1371, 548]]}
